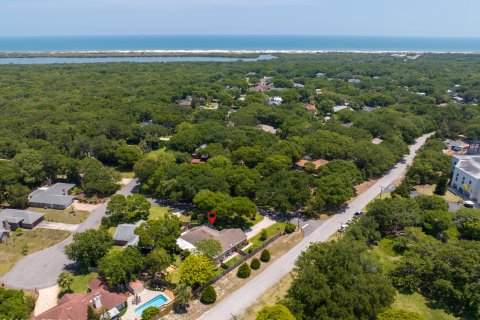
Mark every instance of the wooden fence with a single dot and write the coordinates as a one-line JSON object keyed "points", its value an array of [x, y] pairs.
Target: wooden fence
{"points": [[196, 292]]}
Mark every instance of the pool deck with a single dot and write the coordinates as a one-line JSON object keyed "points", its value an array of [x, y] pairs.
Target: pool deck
{"points": [[145, 295]]}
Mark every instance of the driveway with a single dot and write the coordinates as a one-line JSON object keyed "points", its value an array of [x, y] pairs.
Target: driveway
{"points": [[254, 230], [41, 269], [235, 304], [57, 226]]}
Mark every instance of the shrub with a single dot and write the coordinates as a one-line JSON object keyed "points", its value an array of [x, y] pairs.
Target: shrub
{"points": [[265, 256], [150, 312], [208, 295], [244, 271], [263, 235], [290, 227], [255, 264]]}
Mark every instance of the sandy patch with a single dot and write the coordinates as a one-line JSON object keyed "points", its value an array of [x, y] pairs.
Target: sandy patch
{"points": [[85, 206]]}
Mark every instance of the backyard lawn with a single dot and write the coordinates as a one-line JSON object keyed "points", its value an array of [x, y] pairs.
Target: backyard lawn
{"points": [[80, 282], [417, 303], [16, 247], [271, 231], [63, 216], [428, 191]]}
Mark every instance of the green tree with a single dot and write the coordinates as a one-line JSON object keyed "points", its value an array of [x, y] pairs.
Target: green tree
{"points": [[338, 280], [65, 280], [265, 255], [161, 233], [128, 155], [31, 166], [209, 247], [255, 264], [157, 261], [150, 312], [128, 209], [183, 295], [208, 295], [13, 305], [196, 270], [98, 179], [121, 267], [441, 187], [89, 247], [276, 312], [244, 271], [17, 196]]}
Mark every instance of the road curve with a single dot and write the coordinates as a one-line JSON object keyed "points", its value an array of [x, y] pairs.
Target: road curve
{"points": [[237, 302], [41, 269]]}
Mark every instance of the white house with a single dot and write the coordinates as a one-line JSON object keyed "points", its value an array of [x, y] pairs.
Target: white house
{"points": [[466, 175], [275, 101]]}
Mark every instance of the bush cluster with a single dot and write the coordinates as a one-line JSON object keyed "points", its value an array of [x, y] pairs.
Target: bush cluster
{"points": [[255, 264], [265, 256], [290, 227], [244, 271], [208, 295]]}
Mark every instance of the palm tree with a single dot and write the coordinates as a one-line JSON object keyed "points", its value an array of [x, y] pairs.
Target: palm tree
{"points": [[65, 279], [183, 294]]}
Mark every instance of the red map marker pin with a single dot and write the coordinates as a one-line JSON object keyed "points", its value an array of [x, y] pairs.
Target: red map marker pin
{"points": [[212, 215]]}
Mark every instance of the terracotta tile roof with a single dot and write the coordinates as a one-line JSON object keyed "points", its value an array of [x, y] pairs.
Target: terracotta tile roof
{"points": [[318, 163], [310, 107], [196, 161], [74, 306]]}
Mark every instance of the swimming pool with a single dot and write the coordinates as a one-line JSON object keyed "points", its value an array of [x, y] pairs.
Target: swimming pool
{"points": [[158, 301]]}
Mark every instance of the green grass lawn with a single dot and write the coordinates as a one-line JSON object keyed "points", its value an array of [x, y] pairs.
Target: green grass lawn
{"points": [[30, 241], [232, 261], [80, 282], [271, 231], [384, 251], [157, 212], [428, 191], [258, 218], [417, 303], [63, 216], [154, 153], [174, 276]]}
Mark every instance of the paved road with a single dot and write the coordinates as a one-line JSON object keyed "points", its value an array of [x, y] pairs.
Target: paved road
{"points": [[236, 303], [41, 269]]}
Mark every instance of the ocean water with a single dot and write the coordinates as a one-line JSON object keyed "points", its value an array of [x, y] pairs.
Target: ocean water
{"points": [[238, 42]]}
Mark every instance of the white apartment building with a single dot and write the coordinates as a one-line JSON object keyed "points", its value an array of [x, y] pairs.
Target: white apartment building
{"points": [[466, 175]]}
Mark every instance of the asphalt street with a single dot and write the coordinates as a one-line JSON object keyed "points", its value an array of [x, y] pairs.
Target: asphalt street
{"points": [[41, 269], [235, 304]]}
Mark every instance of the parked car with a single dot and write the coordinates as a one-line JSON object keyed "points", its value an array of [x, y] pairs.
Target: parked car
{"points": [[469, 204]]}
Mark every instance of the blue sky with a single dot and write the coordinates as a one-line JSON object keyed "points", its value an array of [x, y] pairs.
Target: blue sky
{"points": [[457, 18]]}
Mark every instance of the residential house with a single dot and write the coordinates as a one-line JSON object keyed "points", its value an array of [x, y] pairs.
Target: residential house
{"points": [[310, 108], [125, 234], [275, 101], [339, 108], [317, 163], [267, 128], [354, 80], [230, 239], [298, 86], [466, 175], [320, 74], [53, 197], [75, 305], [187, 102], [12, 219]]}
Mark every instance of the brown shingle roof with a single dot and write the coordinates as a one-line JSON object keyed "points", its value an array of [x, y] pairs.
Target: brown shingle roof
{"points": [[227, 237], [318, 163], [74, 306]]}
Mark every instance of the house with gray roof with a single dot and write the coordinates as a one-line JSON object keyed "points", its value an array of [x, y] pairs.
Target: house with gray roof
{"points": [[466, 175], [12, 219], [230, 239], [53, 197], [125, 234]]}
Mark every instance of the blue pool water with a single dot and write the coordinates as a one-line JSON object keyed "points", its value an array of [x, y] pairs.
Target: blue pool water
{"points": [[158, 301]]}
